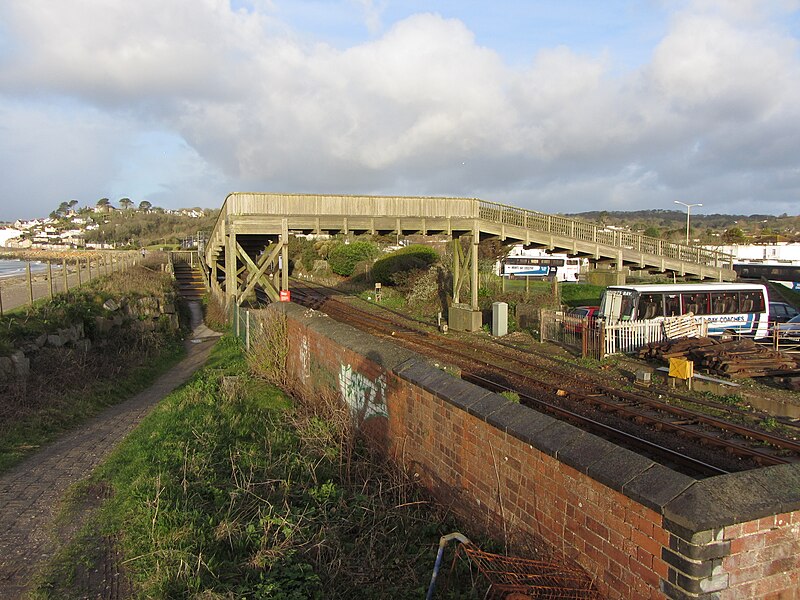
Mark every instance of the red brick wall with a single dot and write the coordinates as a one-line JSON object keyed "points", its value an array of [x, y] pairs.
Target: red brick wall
{"points": [[764, 558], [507, 485]]}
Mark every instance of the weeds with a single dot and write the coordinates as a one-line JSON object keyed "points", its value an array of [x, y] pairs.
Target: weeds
{"points": [[215, 316], [67, 385], [269, 347], [229, 491], [510, 396]]}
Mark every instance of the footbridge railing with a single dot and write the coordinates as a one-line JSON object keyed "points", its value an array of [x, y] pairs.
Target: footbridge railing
{"points": [[589, 232]]}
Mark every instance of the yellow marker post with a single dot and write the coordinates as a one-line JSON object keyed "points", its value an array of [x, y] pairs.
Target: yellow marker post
{"points": [[681, 368]]}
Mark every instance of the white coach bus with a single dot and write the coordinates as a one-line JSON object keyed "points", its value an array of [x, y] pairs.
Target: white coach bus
{"points": [[740, 308], [538, 264]]}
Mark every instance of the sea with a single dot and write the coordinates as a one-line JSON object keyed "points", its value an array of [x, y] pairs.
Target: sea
{"points": [[14, 267]]}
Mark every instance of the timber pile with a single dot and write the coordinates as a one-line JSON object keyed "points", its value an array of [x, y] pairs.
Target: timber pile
{"points": [[734, 358], [684, 326]]}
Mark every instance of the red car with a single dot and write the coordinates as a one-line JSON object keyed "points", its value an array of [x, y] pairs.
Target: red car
{"points": [[575, 318]]}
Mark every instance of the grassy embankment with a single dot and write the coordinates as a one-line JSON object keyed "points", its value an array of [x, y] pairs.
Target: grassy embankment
{"points": [[229, 489], [67, 386]]}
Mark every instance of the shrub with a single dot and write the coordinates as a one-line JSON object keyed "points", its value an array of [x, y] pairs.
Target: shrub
{"points": [[410, 258], [303, 251], [343, 258]]}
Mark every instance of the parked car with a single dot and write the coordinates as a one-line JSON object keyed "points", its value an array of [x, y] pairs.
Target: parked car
{"points": [[781, 312], [575, 318], [790, 329]]}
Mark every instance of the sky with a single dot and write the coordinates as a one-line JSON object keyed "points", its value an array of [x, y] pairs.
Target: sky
{"points": [[559, 106]]}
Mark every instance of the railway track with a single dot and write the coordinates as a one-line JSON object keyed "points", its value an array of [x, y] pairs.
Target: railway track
{"points": [[651, 425]]}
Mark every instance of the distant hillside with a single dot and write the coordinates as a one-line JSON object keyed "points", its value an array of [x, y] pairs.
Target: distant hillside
{"points": [[138, 228], [671, 224]]}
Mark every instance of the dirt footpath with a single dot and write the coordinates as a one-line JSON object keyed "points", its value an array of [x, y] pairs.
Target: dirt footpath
{"points": [[30, 492]]}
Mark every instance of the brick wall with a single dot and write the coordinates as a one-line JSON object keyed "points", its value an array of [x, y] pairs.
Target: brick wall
{"points": [[638, 528]]}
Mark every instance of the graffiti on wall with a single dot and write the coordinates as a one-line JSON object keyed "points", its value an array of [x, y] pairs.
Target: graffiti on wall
{"points": [[365, 397]]}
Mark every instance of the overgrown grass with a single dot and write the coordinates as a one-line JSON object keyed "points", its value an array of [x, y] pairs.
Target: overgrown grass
{"points": [[229, 490], [68, 385], [66, 409]]}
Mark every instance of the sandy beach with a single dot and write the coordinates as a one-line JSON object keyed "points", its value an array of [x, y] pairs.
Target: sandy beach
{"points": [[14, 291]]}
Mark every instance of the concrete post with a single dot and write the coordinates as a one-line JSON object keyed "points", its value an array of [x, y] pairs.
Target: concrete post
{"points": [[499, 319]]}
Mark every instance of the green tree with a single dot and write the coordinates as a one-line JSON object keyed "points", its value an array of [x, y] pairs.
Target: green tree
{"points": [[652, 232], [125, 203], [734, 235], [343, 258], [103, 203], [145, 205], [411, 258]]}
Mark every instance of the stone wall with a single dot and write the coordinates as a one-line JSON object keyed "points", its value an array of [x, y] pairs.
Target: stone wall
{"points": [[636, 527], [143, 313]]}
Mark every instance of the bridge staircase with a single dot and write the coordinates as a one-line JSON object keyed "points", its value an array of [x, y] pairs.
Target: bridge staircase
{"points": [[190, 280]]}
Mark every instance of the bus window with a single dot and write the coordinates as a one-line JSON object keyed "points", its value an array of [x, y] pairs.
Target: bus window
{"points": [[626, 308], [695, 303], [672, 305], [718, 303], [752, 302], [731, 303], [650, 306]]}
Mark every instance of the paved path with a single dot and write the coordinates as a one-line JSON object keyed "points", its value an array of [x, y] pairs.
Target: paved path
{"points": [[30, 492]]}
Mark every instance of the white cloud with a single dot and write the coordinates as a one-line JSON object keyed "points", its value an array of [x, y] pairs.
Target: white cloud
{"points": [[421, 108], [372, 14]]}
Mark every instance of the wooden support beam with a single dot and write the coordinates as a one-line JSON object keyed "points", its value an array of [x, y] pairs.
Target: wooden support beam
{"points": [[476, 238], [256, 272]]}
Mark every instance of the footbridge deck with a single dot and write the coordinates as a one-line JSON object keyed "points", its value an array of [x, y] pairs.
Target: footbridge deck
{"points": [[252, 224]]}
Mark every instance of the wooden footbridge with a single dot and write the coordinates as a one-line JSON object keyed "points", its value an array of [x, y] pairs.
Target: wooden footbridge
{"points": [[248, 246]]}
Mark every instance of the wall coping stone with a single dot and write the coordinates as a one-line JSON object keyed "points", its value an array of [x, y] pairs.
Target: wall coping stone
{"points": [[736, 498], [528, 424], [551, 439], [618, 467], [507, 415], [657, 486], [451, 389], [487, 406], [584, 451]]}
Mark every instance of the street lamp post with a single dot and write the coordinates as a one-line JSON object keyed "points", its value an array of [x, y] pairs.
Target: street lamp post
{"points": [[688, 210]]}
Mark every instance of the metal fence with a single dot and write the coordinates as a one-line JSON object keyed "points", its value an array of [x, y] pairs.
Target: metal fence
{"points": [[577, 333], [243, 322]]}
